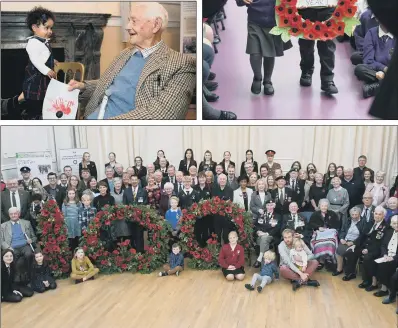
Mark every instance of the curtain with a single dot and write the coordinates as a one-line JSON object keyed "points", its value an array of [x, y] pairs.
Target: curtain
{"points": [[318, 144]]}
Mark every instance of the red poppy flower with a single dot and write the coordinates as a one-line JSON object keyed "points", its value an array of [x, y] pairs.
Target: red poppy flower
{"points": [[284, 21], [290, 12], [340, 28], [350, 11], [310, 34], [339, 13], [295, 31], [280, 10], [295, 21]]}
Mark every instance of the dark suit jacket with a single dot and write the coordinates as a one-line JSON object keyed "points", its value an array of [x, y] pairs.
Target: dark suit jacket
{"points": [[60, 194], [242, 168], [234, 184], [372, 242], [371, 217], [206, 167], [164, 202], [140, 199], [167, 179], [299, 192], [203, 194], [290, 197], [183, 166], [384, 243], [24, 198], [8, 284], [92, 168], [288, 223]]}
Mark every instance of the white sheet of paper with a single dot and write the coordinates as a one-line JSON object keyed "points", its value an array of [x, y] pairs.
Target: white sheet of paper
{"points": [[59, 103], [380, 260], [316, 3]]}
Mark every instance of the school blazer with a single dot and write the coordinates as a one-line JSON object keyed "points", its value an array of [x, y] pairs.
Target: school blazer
{"points": [[164, 90], [238, 197], [6, 204], [256, 204], [6, 232]]}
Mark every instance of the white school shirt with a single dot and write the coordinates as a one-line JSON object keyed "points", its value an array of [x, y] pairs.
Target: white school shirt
{"points": [[38, 54]]}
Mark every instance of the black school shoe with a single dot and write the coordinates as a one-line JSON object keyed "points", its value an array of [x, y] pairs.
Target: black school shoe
{"points": [[295, 285], [211, 85], [268, 89], [329, 87], [369, 90], [371, 288], [364, 284], [212, 76], [313, 283], [337, 273], [381, 293], [249, 287], [256, 87], [256, 264], [306, 79], [225, 115], [349, 277]]}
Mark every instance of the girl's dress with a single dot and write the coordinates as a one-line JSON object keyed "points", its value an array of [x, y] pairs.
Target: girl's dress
{"points": [[36, 80], [42, 273]]}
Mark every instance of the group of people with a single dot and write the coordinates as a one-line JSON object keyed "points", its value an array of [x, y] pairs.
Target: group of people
{"points": [[150, 91], [373, 47], [304, 219]]}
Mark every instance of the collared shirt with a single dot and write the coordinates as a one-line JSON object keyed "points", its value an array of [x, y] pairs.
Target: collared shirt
{"points": [[15, 222], [366, 215], [353, 232], [382, 33], [392, 245], [188, 190]]}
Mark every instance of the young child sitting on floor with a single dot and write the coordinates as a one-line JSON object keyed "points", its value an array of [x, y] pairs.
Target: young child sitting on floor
{"points": [[40, 68], [298, 255], [267, 272], [82, 268], [41, 279], [378, 48], [176, 262], [368, 21]]}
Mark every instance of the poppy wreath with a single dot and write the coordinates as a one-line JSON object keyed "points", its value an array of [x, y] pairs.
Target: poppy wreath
{"points": [[290, 23], [207, 258], [124, 257], [54, 239]]}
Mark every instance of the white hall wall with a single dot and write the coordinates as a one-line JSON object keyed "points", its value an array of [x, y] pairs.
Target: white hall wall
{"points": [[317, 144]]}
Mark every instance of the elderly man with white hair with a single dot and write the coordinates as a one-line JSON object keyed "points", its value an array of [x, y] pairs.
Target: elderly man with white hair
{"points": [[147, 81], [18, 235], [12, 197], [354, 187]]}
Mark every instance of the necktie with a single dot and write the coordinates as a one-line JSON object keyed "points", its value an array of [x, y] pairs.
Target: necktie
{"points": [[188, 193], [366, 214], [9, 271], [281, 198], [14, 200], [135, 193], [180, 187], [384, 38], [193, 181]]}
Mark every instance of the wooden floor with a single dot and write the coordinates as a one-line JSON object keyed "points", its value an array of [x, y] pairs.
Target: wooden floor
{"points": [[199, 299]]}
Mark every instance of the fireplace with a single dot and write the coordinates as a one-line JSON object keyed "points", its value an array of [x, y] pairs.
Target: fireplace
{"points": [[76, 38]]}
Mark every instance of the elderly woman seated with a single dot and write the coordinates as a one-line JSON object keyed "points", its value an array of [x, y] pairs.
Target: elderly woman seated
{"points": [[387, 263], [324, 226], [371, 250], [392, 209], [350, 237], [298, 223]]}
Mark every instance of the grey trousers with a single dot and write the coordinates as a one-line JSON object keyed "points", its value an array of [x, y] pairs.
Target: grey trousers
{"points": [[265, 280], [264, 242]]}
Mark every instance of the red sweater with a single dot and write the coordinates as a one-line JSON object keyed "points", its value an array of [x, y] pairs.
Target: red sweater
{"points": [[234, 257]]}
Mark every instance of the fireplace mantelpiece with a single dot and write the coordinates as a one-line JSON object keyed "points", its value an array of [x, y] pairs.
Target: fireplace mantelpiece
{"points": [[80, 35]]}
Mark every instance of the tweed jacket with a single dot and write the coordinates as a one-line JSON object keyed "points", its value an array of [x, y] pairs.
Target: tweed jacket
{"points": [[164, 91], [6, 232]]}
